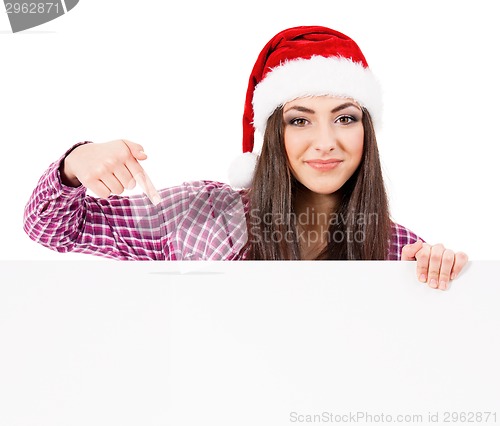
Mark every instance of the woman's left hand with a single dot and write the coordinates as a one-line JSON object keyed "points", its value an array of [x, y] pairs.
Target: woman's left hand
{"points": [[436, 265]]}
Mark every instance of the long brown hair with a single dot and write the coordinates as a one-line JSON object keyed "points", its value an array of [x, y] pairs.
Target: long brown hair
{"points": [[363, 229]]}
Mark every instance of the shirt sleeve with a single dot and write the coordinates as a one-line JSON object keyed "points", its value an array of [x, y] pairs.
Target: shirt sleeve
{"points": [[66, 219], [400, 236], [198, 220]]}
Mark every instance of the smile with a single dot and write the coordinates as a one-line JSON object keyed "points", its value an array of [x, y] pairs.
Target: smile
{"points": [[323, 165]]}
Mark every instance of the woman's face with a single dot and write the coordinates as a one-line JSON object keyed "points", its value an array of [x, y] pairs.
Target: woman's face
{"points": [[323, 141]]}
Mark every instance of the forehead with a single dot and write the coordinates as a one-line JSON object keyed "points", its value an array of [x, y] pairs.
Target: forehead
{"points": [[318, 102]]}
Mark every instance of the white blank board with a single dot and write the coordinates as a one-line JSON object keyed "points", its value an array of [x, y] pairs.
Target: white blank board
{"points": [[246, 343]]}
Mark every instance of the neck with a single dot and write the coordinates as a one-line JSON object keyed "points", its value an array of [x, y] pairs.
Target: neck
{"points": [[311, 203], [314, 213]]}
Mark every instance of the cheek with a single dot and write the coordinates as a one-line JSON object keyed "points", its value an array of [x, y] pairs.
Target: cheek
{"points": [[292, 146], [356, 146], [294, 150], [358, 153]]}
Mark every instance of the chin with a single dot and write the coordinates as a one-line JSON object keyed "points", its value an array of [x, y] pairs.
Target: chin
{"points": [[323, 189]]}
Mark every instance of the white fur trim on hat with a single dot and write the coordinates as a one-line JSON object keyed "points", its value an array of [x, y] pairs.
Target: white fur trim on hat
{"points": [[317, 76], [242, 169]]}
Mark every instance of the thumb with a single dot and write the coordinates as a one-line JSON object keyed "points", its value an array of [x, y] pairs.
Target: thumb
{"points": [[410, 250], [135, 149]]}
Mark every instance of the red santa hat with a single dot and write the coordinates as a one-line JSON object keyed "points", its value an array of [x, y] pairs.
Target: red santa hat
{"points": [[300, 62]]}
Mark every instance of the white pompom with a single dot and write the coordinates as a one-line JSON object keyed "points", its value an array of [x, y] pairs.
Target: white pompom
{"points": [[242, 169]]}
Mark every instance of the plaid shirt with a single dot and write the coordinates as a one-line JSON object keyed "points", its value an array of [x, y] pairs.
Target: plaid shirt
{"points": [[195, 221]]}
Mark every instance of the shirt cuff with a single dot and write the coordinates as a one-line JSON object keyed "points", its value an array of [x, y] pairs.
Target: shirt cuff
{"points": [[65, 188], [52, 189]]}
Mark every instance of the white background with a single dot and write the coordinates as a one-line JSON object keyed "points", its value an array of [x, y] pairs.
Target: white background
{"points": [[173, 76]]}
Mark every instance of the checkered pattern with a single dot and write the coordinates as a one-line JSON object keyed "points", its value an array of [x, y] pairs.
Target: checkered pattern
{"points": [[195, 221]]}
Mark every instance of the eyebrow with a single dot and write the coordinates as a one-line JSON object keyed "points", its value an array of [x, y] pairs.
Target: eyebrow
{"points": [[334, 110]]}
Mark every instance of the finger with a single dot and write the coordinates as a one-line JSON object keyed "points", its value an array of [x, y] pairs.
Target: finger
{"points": [[461, 260], [99, 189], [134, 168], [135, 149], [122, 173], [447, 262], [422, 257], [148, 187], [139, 174], [410, 250], [435, 265], [131, 184], [112, 183]]}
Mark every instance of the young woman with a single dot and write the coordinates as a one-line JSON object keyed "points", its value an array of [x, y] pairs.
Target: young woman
{"points": [[315, 191]]}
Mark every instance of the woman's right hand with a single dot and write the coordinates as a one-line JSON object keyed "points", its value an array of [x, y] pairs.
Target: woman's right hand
{"points": [[108, 168]]}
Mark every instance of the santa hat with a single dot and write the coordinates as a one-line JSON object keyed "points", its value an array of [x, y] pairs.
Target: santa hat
{"points": [[300, 62]]}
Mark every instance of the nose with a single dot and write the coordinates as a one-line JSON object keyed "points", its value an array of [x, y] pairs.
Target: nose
{"points": [[325, 138]]}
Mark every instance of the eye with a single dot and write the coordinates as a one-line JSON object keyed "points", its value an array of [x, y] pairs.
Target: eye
{"points": [[346, 119], [299, 122]]}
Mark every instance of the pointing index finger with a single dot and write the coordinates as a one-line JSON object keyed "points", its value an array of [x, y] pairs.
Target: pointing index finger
{"points": [[147, 186]]}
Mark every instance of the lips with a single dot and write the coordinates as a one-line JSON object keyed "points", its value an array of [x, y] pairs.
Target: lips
{"points": [[323, 165]]}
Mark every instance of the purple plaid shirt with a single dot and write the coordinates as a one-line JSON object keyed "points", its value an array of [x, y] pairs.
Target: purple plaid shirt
{"points": [[201, 220]]}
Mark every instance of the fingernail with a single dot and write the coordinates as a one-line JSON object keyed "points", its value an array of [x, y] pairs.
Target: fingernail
{"points": [[433, 283], [131, 184], [442, 285], [453, 276], [422, 278]]}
